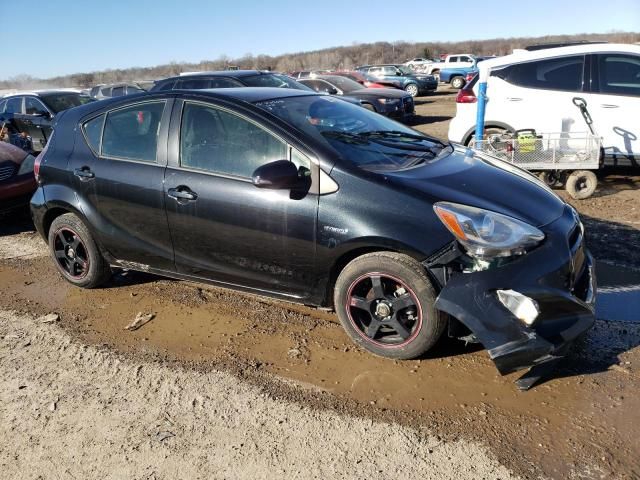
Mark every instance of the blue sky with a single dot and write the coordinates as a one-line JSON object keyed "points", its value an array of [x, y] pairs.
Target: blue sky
{"points": [[54, 37]]}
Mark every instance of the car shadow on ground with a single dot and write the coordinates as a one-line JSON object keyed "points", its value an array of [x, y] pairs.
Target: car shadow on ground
{"points": [[18, 221], [418, 120]]}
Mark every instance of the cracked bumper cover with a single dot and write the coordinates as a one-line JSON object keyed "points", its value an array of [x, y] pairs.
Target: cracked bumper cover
{"points": [[559, 275]]}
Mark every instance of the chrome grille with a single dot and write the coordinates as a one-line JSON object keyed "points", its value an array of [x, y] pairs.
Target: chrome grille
{"points": [[7, 171]]}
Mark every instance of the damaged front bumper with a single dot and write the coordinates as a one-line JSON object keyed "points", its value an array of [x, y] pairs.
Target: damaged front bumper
{"points": [[559, 276]]}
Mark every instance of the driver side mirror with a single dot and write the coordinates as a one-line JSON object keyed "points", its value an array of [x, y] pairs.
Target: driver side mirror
{"points": [[278, 175], [43, 114], [332, 90]]}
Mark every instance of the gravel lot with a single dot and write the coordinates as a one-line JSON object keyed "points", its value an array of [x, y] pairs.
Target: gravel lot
{"points": [[224, 385]]}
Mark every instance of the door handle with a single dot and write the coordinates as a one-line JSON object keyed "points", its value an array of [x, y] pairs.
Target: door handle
{"points": [[84, 173], [609, 105], [182, 193], [514, 99]]}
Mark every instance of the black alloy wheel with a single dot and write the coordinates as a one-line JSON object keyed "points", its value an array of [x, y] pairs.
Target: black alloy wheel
{"points": [[71, 253], [385, 302], [384, 310]]}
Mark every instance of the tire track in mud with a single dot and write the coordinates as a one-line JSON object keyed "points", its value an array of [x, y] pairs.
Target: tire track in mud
{"points": [[567, 426]]}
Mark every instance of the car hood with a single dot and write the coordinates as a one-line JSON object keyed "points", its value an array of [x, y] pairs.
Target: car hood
{"points": [[11, 153], [379, 92], [478, 180]]}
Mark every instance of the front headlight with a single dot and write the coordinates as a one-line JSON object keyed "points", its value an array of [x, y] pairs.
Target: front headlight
{"points": [[388, 101], [27, 165], [485, 234]]}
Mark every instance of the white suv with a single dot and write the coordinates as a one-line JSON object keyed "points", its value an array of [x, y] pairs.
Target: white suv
{"points": [[535, 89]]}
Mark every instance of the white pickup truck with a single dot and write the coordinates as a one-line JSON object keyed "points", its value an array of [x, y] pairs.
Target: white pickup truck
{"points": [[459, 60]]}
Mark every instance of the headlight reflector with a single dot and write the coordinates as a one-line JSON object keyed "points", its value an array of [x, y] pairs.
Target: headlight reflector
{"points": [[486, 234], [523, 308]]}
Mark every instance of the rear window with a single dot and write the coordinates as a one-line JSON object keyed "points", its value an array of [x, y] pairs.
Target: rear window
{"points": [[132, 133], [62, 101], [563, 74], [273, 80]]}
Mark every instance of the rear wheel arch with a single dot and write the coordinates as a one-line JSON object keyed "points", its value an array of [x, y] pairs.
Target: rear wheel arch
{"points": [[342, 262], [493, 124]]}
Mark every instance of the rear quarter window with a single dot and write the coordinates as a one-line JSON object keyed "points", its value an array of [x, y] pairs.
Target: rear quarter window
{"points": [[93, 133], [562, 74]]}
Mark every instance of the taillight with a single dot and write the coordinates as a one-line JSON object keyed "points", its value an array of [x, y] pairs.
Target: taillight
{"points": [[466, 96], [38, 161], [36, 166]]}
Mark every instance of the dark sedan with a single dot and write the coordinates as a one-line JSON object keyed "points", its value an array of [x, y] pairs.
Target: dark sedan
{"points": [[386, 101], [32, 113], [227, 79], [307, 198], [17, 182]]}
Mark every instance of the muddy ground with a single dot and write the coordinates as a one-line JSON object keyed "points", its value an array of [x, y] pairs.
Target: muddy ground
{"points": [[582, 423]]}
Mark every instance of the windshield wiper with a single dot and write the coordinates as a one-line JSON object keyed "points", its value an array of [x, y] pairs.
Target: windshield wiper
{"points": [[398, 133]]}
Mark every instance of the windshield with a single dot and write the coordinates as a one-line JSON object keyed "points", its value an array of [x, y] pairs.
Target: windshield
{"points": [[273, 80], [406, 70], [345, 84], [361, 137], [62, 101]]}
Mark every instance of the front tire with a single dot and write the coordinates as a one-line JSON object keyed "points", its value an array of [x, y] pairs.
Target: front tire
{"points": [[412, 89], [75, 253], [385, 302]]}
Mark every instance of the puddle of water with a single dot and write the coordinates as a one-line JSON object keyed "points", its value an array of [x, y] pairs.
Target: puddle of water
{"points": [[618, 293]]}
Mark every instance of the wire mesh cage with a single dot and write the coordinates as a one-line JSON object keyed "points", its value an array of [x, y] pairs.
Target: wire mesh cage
{"points": [[548, 151]]}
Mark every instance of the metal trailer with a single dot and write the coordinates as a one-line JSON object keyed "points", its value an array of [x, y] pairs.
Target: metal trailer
{"points": [[562, 158]]}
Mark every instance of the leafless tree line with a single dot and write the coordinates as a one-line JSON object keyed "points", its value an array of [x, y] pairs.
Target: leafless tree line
{"points": [[329, 58]]}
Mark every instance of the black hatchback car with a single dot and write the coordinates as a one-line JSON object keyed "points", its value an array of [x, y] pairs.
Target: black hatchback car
{"points": [[389, 102], [310, 199]]}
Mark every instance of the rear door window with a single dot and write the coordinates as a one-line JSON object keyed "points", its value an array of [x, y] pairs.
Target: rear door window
{"points": [[563, 74], [131, 133], [218, 141], [619, 74], [117, 91], [224, 83], [14, 105]]}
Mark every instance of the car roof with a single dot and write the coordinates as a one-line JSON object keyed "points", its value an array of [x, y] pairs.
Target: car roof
{"points": [[38, 93], [519, 56], [221, 73], [253, 94]]}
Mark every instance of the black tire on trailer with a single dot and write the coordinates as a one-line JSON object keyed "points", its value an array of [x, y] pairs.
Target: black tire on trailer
{"points": [[385, 302], [551, 178], [581, 184], [76, 254]]}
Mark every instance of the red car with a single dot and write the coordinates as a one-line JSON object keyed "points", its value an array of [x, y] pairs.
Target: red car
{"points": [[17, 181], [361, 79]]}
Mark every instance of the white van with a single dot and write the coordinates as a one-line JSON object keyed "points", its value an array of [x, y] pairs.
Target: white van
{"points": [[534, 89]]}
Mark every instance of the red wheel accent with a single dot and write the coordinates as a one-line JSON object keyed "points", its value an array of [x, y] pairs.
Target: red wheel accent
{"points": [[387, 301]]}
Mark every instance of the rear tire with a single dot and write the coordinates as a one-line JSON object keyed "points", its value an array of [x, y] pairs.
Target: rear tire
{"points": [[457, 82], [581, 184], [393, 316], [487, 131], [75, 253]]}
